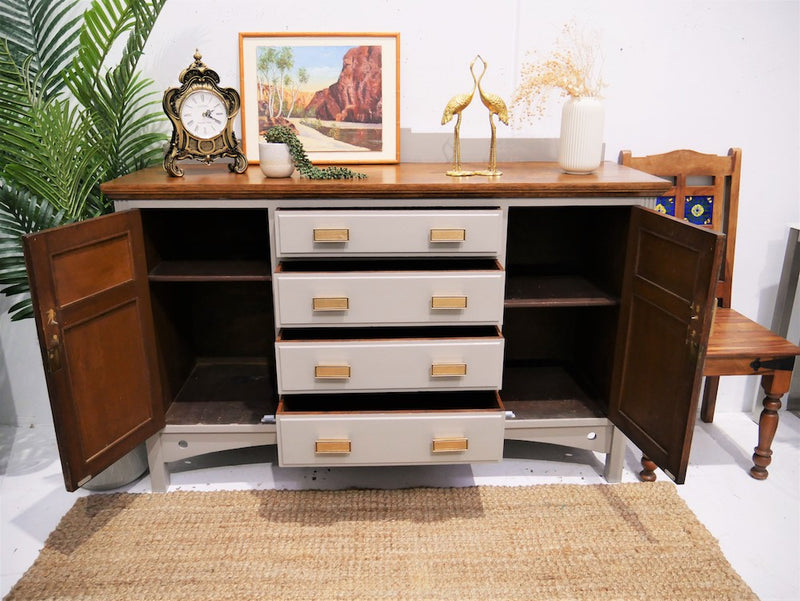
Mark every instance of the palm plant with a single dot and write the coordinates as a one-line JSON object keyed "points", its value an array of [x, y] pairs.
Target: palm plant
{"points": [[69, 117]]}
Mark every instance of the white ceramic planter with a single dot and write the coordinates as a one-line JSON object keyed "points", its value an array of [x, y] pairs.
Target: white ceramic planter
{"points": [[580, 148], [274, 159]]}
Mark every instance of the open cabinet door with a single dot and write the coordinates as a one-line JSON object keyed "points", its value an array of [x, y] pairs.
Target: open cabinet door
{"points": [[92, 308], [665, 318]]}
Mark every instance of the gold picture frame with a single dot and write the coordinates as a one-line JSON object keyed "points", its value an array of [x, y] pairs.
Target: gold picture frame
{"points": [[301, 79]]}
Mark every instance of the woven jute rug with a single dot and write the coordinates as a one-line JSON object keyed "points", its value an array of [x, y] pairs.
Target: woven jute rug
{"points": [[550, 542]]}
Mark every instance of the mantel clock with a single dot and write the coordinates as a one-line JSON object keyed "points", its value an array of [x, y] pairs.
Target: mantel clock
{"points": [[202, 115]]}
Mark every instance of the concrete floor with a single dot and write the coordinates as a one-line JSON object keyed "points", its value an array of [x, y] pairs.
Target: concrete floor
{"points": [[756, 522]]}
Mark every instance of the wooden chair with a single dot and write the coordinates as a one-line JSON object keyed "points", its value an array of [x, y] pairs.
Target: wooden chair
{"points": [[706, 192]]}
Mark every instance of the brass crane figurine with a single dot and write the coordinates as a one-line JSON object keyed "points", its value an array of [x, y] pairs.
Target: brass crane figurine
{"points": [[497, 107], [454, 107]]}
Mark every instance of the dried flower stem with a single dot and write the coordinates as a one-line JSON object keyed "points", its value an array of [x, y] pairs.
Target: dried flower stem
{"points": [[574, 69]]}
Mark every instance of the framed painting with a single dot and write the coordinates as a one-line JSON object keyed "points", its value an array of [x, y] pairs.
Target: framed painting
{"points": [[339, 92]]}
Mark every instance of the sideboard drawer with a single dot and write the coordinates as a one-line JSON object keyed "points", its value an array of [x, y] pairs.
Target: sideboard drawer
{"points": [[384, 232], [464, 428], [402, 296], [422, 359]]}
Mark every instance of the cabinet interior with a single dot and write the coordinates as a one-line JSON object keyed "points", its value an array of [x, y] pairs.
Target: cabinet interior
{"points": [[211, 293], [212, 301], [391, 333], [211, 244], [564, 270], [467, 400], [340, 265]]}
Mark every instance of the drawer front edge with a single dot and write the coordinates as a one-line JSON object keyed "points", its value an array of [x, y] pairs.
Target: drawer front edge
{"points": [[386, 439]]}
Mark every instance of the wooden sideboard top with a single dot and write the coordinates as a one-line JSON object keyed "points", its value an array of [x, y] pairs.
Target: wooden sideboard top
{"points": [[404, 180]]}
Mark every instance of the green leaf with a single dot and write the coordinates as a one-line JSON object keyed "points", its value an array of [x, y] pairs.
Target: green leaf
{"points": [[47, 32], [21, 213], [71, 117]]}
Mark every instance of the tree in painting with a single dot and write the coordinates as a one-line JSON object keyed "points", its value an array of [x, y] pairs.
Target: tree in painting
{"points": [[330, 96]]}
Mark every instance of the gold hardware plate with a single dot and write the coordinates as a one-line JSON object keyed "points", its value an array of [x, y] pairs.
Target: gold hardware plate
{"points": [[449, 445], [448, 369], [331, 235], [445, 235], [448, 302], [331, 303], [332, 446], [332, 371]]}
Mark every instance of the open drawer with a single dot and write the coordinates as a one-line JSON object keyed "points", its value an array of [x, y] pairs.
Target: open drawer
{"points": [[319, 360], [390, 429], [402, 292]]}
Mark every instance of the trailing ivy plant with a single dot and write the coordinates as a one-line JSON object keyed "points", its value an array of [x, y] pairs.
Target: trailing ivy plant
{"points": [[70, 117], [283, 134]]}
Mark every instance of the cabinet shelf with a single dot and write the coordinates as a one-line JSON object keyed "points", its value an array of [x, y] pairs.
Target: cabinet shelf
{"points": [[536, 391], [225, 391], [531, 291], [210, 271]]}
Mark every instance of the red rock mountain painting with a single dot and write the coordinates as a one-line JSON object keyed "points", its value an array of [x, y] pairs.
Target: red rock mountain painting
{"points": [[357, 94], [340, 116]]}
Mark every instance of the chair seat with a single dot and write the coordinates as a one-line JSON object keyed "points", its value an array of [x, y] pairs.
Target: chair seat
{"points": [[736, 342]]}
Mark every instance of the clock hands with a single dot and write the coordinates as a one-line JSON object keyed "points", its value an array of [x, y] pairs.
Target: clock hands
{"points": [[208, 115]]}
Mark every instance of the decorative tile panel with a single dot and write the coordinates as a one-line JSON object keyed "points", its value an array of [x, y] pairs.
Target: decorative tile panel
{"points": [[699, 209], [666, 205]]}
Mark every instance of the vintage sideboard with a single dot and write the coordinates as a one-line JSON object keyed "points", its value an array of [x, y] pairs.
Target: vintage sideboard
{"points": [[406, 318]]}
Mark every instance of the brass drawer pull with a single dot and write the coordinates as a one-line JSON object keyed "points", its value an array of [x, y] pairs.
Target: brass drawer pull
{"points": [[444, 235], [448, 369], [332, 446], [450, 445], [328, 372], [331, 235], [331, 303], [448, 302]]}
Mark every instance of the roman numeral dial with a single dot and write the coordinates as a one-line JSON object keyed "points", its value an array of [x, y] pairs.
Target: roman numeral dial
{"points": [[203, 114]]}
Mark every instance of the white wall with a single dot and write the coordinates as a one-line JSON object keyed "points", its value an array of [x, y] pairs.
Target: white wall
{"points": [[23, 392], [705, 75]]}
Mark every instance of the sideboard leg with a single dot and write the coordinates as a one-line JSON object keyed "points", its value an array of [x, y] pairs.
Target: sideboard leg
{"points": [[159, 475], [648, 474], [775, 386], [615, 458]]}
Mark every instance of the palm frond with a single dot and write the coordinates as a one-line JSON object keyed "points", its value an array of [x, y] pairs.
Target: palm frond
{"points": [[15, 95], [104, 22], [119, 98], [56, 150], [21, 213], [45, 30], [56, 162]]}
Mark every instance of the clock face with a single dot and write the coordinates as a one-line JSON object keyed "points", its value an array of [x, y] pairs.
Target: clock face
{"points": [[203, 114]]}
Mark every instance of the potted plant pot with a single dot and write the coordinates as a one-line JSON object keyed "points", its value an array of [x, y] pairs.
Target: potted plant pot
{"points": [[275, 159]]}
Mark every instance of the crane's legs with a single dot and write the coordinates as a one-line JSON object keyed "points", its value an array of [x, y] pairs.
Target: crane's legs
{"points": [[457, 171], [492, 170]]}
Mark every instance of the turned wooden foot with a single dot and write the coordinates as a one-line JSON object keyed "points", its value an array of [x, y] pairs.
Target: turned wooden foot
{"points": [[774, 386], [648, 474]]}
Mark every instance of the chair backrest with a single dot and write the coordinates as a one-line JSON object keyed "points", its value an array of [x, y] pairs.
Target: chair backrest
{"points": [[705, 192]]}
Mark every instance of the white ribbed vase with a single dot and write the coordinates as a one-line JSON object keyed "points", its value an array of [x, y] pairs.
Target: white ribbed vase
{"points": [[580, 149]]}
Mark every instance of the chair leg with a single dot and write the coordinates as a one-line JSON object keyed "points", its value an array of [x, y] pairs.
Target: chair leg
{"points": [[775, 386], [709, 399]]}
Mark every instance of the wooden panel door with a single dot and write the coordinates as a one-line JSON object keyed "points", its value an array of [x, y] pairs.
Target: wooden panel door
{"points": [[665, 319], [92, 308]]}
